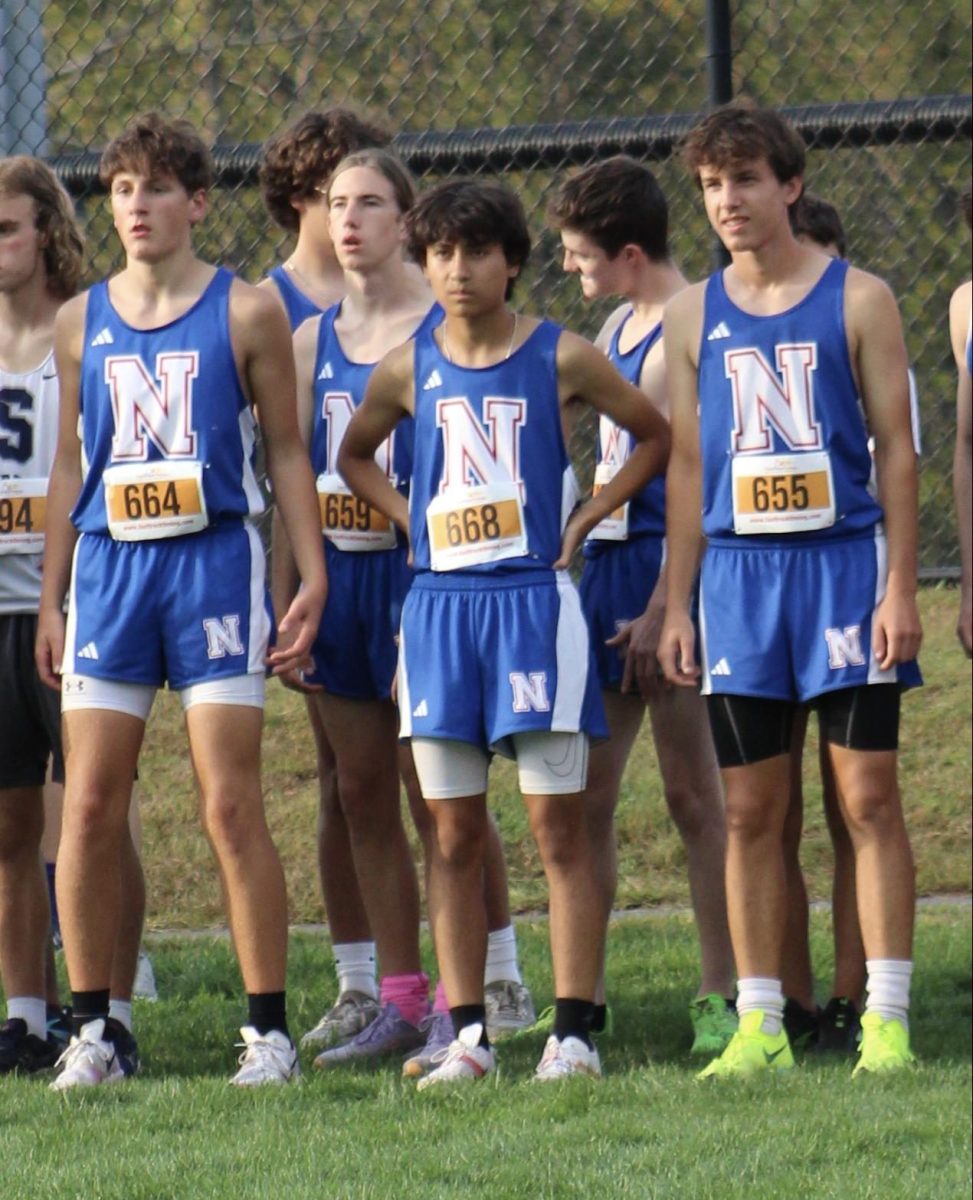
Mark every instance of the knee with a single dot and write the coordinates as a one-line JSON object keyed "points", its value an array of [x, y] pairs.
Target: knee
{"points": [[749, 821], [562, 838], [871, 811], [459, 841], [695, 816], [228, 822], [21, 828]]}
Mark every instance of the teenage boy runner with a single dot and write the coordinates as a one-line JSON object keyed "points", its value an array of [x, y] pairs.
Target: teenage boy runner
{"points": [[41, 251], [162, 364], [355, 649], [613, 220], [808, 582], [294, 173], [494, 653]]}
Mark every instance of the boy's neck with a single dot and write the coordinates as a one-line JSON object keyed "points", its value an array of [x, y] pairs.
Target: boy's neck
{"points": [[655, 284], [480, 341]]}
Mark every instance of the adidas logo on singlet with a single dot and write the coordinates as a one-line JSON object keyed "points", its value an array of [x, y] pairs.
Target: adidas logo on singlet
{"points": [[721, 331], [327, 371], [721, 668], [435, 380], [88, 651], [421, 709], [103, 339]]}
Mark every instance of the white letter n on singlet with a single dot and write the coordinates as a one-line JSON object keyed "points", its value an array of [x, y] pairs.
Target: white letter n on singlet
{"points": [[760, 401], [470, 460], [844, 647], [222, 636], [161, 408], [530, 692]]}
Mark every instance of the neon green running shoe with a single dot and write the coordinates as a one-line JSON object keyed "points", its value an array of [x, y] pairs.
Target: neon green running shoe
{"points": [[750, 1051], [884, 1045], [714, 1021]]}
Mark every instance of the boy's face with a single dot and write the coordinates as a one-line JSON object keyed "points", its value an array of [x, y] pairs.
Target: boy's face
{"points": [[745, 202], [468, 281], [21, 245], [364, 217], [598, 274], [153, 214]]}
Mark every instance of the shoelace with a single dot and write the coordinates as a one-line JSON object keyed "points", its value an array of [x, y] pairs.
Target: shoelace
{"points": [[377, 1028], [78, 1051], [258, 1053]]}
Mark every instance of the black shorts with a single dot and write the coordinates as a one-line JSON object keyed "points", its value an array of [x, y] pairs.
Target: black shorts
{"points": [[749, 729], [30, 727]]}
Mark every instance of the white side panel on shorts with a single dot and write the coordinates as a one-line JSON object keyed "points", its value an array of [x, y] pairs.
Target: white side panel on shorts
{"points": [[259, 621], [573, 659], [875, 672], [402, 690]]}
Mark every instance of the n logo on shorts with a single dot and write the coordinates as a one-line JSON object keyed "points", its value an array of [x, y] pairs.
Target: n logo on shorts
{"points": [[222, 636], [529, 691], [844, 647], [476, 454], [160, 407], [783, 399]]}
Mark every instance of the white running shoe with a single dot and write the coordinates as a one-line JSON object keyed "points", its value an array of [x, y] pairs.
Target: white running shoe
{"points": [[89, 1060], [565, 1058], [269, 1058], [463, 1061], [509, 1007], [144, 986]]}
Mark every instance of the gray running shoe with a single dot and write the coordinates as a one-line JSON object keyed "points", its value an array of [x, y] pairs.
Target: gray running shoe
{"points": [[353, 1012], [439, 1037], [389, 1033], [509, 1007]]}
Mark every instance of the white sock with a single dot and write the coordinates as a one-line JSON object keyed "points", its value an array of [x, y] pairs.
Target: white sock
{"points": [[354, 964], [887, 989], [765, 995], [501, 958], [30, 1010], [121, 1011]]}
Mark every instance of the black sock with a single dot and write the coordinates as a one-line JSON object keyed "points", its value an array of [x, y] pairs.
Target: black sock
{"points": [[87, 1007], [574, 1018], [599, 1019], [470, 1014], [267, 1011]]}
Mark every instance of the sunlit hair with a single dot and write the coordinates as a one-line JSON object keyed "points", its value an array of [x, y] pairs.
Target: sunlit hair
{"points": [[151, 146], [816, 219], [741, 132], [386, 164], [298, 162], [61, 237], [471, 212], [615, 203]]}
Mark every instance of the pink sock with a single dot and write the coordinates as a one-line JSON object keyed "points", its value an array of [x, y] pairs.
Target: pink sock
{"points": [[440, 1004], [410, 994]]}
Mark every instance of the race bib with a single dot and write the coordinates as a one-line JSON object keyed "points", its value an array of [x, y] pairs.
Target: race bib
{"points": [[23, 510], [145, 501], [614, 527], [782, 493], [471, 526], [349, 523]]}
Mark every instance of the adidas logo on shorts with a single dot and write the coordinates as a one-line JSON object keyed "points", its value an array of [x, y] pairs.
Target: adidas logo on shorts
{"points": [[421, 709], [104, 338], [327, 371], [435, 380], [721, 668], [88, 651], [721, 331]]}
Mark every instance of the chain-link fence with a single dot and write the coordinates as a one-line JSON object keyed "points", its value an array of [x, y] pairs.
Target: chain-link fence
{"points": [[529, 91]]}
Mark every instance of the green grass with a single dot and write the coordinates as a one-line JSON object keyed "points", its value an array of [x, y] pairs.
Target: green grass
{"points": [[935, 773], [647, 1130]]}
